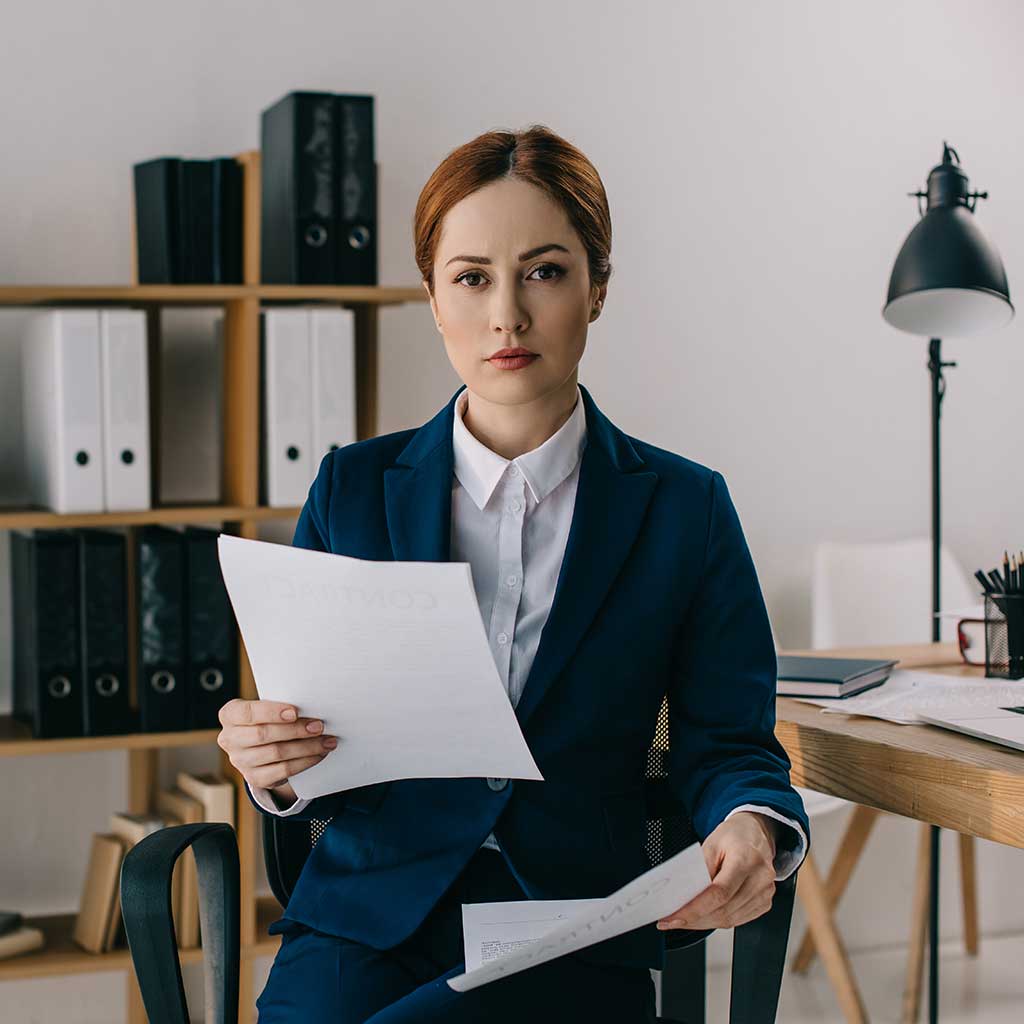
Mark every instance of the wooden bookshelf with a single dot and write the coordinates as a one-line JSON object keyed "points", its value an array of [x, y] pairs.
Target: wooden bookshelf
{"points": [[241, 514], [42, 519], [61, 955], [16, 740], [202, 294]]}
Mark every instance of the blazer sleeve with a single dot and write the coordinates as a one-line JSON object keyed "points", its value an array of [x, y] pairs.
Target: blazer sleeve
{"points": [[311, 531], [721, 699]]}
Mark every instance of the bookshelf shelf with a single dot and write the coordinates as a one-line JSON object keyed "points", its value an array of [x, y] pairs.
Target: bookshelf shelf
{"points": [[203, 294], [16, 741], [31, 518], [240, 511], [61, 955]]}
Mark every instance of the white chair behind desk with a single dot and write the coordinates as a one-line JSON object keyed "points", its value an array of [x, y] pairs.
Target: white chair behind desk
{"points": [[881, 593], [878, 593]]}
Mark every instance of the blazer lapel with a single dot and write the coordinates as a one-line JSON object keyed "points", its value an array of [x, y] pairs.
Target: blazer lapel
{"points": [[612, 496]]}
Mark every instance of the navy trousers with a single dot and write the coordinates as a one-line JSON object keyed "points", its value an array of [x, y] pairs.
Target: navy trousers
{"points": [[331, 980]]}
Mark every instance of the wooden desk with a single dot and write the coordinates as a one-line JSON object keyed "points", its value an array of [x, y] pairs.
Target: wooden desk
{"points": [[918, 771]]}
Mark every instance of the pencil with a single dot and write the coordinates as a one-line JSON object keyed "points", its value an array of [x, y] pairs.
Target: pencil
{"points": [[1006, 571], [984, 581]]}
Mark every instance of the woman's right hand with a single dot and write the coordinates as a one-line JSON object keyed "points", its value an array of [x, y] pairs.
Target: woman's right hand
{"points": [[268, 742]]}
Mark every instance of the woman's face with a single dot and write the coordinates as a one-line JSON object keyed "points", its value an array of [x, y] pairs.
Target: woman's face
{"points": [[487, 297]]}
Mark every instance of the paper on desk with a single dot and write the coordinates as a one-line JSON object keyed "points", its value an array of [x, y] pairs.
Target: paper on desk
{"points": [[392, 656], [906, 692], [649, 897]]}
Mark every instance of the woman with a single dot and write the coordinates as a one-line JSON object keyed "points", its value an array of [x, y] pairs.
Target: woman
{"points": [[609, 573]]}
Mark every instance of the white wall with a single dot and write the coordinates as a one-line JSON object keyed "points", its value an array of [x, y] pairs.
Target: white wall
{"points": [[757, 159]]}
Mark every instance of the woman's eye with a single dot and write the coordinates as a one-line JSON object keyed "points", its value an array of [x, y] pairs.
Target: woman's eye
{"points": [[558, 272]]}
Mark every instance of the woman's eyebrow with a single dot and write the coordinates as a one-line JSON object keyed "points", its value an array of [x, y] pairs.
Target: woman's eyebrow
{"points": [[528, 255]]}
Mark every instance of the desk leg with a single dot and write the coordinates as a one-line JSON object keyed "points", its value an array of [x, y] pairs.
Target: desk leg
{"points": [[933, 929]]}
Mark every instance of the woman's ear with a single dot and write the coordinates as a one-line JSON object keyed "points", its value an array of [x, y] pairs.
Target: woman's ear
{"points": [[433, 304]]}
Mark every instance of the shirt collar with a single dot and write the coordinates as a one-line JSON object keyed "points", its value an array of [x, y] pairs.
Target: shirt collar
{"points": [[479, 469]]}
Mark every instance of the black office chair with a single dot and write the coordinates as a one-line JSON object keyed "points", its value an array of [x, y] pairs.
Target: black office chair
{"points": [[759, 947]]}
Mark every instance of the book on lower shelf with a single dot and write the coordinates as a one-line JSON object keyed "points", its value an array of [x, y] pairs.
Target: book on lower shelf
{"points": [[173, 803], [23, 939], [99, 907], [133, 828], [809, 676]]}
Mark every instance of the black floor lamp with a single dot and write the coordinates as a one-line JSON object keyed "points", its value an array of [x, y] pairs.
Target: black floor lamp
{"points": [[947, 280]]}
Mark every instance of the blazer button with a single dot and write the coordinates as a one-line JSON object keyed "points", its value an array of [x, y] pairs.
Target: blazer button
{"points": [[497, 784]]}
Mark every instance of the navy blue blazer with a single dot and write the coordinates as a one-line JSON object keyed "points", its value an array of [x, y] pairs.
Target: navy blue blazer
{"points": [[657, 595]]}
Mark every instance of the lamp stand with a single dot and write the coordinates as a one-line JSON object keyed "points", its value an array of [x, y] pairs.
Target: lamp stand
{"points": [[935, 367]]}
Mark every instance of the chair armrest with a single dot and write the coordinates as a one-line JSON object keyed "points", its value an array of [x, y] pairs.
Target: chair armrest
{"points": [[149, 924], [759, 959]]}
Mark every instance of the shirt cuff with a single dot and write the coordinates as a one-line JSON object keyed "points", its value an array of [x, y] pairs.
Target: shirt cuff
{"points": [[789, 858], [266, 800]]}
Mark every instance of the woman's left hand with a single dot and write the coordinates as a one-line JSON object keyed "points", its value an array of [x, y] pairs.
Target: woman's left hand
{"points": [[740, 856]]}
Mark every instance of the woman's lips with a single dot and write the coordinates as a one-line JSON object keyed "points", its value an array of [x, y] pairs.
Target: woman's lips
{"points": [[511, 362]]}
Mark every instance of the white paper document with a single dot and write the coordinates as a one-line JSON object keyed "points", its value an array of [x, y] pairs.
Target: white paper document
{"points": [[907, 693], [492, 930], [512, 937], [392, 656]]}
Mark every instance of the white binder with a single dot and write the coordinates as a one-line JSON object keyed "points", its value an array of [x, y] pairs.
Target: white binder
{"points": [[63, 427], [333, 380], [288, 468], [124, 387]]}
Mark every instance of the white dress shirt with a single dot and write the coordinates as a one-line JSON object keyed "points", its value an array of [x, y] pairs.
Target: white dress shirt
{"points": [[510, 520]]}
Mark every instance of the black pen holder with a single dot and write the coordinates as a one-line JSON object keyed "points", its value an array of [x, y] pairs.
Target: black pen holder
{"points": [[1004, 635]]}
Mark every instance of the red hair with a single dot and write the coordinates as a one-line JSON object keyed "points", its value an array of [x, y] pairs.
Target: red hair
{"points": [[536, 155]]}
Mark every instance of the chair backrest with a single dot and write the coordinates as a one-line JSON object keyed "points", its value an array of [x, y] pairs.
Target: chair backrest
{"points": [[881, 593]]}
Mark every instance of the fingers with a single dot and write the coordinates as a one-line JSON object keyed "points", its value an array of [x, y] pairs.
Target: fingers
{"points": [[233, 737], [268, 743], [743, 884], [272, 753], [751, 900], [271, 775], [253, 712], [722, 889]]}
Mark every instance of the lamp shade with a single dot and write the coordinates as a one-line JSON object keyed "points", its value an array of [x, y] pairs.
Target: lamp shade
{"points": [[948, 279]]}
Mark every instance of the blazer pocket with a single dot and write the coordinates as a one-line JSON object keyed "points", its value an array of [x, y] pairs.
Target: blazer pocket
{"points": [[625, 819]]}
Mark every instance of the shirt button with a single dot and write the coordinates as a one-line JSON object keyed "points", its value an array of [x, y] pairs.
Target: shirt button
{"points": [[513, 471], [497, 784], [515, 506], [503, 638], [512, 580]]}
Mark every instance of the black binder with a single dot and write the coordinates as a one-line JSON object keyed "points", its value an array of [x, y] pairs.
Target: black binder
{"points": [[158, 216], [298, 220], [356, 237], [226, 218], [198, 208], [47, 643], [212, 636], [160, 588], [103, 589]]}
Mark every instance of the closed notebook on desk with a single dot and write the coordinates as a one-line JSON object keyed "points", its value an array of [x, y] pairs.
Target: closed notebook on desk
{"points": [[808, 676]]}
